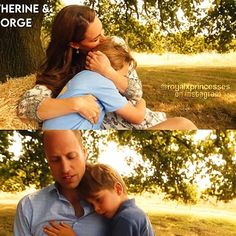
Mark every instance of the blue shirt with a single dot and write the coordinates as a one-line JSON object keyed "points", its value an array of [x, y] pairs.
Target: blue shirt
{"points": [[130, 221], [88, 82], [34, 211]]}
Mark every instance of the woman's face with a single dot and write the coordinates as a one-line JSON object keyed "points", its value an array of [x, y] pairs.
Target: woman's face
{"points": [[93, 36]]}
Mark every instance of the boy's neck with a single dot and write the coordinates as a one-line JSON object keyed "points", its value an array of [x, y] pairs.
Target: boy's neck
{"points": [[123, 199]]}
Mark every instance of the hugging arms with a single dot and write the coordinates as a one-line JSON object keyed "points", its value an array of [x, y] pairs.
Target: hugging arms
{"points": [[77, 30], [108, 97]]}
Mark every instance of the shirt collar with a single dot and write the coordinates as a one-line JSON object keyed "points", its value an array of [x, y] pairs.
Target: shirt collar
{"points": [[125, 204], [86, 207]]}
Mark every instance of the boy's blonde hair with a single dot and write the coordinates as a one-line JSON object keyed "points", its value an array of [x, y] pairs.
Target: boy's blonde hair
{"points": [[98, 177], [117, 54]]}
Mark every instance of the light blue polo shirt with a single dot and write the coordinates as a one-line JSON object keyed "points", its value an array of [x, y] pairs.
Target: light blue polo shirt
{"points": [[34, 211], [83, 83]]}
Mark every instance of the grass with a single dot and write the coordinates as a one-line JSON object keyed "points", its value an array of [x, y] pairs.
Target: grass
{"points": [[172, 218], [168, 225], [168, 218], [211, 108], [7, 213], [208, 108]]}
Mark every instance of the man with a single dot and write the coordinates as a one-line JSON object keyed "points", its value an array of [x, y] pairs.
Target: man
{"points": [[60, 201]]}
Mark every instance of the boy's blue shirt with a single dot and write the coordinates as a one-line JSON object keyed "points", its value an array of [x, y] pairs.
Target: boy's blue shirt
{"points": [[84, 83], [130, 221]]}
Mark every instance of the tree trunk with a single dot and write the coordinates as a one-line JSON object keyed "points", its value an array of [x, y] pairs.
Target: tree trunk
{"points": [[20, 47]]}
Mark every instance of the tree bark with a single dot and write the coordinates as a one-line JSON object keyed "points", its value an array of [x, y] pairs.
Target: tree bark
{"points": [[21, 47]]}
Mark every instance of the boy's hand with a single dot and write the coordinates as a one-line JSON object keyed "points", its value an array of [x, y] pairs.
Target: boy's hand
{"points": [[60, 229]]}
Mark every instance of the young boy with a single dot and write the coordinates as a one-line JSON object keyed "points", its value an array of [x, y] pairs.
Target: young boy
{"points": [[104, 188]]}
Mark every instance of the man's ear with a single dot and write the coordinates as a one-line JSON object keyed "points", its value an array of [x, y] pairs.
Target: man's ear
{"points": [[118, 188], [85, 154], [74, 45]]}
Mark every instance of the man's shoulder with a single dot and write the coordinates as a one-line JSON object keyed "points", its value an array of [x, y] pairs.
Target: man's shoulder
{"points": [[37, 195]]}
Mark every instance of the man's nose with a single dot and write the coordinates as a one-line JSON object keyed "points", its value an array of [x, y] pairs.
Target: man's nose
{"points": [[65, 166]]}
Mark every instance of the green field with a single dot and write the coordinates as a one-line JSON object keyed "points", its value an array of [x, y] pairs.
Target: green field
{"points": [[167, 217], [210, 105], [7, 212], [169, 225], [164, 224]]}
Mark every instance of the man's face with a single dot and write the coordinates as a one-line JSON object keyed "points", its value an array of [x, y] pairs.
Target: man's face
{"points": [[66, 157]]}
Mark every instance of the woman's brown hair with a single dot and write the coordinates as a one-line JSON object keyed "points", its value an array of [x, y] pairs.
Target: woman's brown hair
{"points": [[62, 61]]}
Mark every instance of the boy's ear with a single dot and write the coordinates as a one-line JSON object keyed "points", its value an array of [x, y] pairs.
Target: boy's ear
{"points": [[118, 188]]}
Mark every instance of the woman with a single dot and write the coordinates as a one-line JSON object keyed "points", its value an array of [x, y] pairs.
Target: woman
{"points": [[75, 31], [108, 97]]}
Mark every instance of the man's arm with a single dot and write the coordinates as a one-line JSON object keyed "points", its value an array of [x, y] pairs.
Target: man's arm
{"points": [[21, 222]]}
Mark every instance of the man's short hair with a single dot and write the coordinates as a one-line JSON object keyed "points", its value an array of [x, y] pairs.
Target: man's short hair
{"points": [[99, 177], [77, 134]]}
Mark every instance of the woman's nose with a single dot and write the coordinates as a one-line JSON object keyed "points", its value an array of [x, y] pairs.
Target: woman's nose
{"points": [[102, 37]]}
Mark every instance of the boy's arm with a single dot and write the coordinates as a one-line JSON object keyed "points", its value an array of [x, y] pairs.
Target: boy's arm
{"points": [[60, 229], [133, 113], [124, 228]]}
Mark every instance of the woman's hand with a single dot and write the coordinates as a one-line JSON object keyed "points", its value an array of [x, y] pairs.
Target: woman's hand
{"points": [[60, 229], [99, 62], [86, 106]]}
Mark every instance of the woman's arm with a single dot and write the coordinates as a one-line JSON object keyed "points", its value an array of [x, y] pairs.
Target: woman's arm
{"points": [[86, 106], [38, 105], [133, 113]]}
